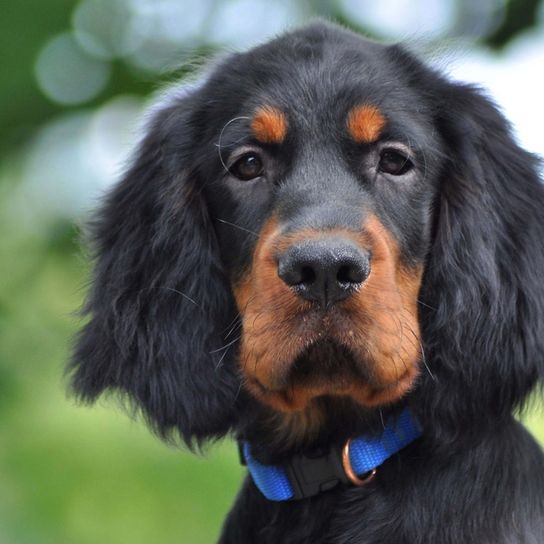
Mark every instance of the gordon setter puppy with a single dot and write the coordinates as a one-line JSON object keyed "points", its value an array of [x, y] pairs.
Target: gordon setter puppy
{"points": [[334, 253]]}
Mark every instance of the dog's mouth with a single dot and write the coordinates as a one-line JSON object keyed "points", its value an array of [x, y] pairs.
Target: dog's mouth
{"points": [[324, 361], [326, 368]]}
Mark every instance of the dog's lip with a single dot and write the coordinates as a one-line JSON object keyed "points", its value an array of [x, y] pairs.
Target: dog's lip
{"points": [[296, 398], [335, 386], [344, 364]]}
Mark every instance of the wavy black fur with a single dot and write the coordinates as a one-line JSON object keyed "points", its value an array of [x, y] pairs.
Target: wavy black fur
{"points": [[162, 320]]}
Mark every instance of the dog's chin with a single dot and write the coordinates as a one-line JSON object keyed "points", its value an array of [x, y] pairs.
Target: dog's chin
{"points": [[329, 369]]}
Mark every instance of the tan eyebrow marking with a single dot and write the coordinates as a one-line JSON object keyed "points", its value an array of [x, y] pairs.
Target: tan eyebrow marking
{"points": [[269, 125], [365, 123]]}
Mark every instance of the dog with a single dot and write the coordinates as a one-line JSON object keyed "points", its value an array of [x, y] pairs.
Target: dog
{"points": [[332, 252]]}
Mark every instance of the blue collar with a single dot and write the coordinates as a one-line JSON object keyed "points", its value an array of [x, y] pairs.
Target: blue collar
{"points": [[355, 463]]}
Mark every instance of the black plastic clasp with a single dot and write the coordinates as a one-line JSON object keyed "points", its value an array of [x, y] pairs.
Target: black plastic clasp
{"points": [[311, 474]]}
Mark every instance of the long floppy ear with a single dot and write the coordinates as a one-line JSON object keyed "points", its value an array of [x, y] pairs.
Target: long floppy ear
{"points": [[483, 290], [159, 301]]}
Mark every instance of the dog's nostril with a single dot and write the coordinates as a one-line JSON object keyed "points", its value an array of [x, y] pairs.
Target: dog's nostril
{"points": [[307, 275], [351, 274], [344, 274]]}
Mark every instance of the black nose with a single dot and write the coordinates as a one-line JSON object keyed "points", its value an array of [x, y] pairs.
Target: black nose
{"points": [[324, 271]]}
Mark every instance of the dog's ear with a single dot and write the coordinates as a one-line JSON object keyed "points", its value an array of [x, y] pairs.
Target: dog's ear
{"points": [[159, 302], [483, 290]]}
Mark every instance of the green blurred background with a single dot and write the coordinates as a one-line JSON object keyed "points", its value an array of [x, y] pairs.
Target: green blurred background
{"points": [[75, 76]]}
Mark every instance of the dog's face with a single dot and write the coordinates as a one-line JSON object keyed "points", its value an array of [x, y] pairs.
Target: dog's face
{"points": [[322, 217], [321, 191]]}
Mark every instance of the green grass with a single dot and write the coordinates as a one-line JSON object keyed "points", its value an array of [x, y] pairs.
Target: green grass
{"points": [[79, 475]]}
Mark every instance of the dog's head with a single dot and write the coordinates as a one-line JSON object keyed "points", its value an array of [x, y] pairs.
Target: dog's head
{"points": [[322, 217]]}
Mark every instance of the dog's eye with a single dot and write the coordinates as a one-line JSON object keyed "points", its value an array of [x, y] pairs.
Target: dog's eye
{"points": [[247, 167], [394, 162]]}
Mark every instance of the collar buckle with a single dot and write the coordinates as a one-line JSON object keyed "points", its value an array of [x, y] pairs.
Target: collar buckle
{"points": [[312, 474]]}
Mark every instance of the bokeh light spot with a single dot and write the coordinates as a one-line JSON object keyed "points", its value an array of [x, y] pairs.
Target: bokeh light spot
{"points": [[402, 19], [73, 159], [67, 75], [109, 28], [242, 23]]}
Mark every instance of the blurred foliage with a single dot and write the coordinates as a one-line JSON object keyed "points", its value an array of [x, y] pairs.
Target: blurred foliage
{"points": [[23, 29], [70, 474], [520, 16]]}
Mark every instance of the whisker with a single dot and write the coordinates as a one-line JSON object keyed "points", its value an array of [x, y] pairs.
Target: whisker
{"points": [[235, 327], [221, 359], [239, 390], [426, 305], [233, 322], [237, 226], [218, 144], [182, 294], [423, 357], [225, 346]]}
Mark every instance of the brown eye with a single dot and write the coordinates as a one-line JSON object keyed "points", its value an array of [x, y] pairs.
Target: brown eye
{"points": [[394, 162], [247, 167]]}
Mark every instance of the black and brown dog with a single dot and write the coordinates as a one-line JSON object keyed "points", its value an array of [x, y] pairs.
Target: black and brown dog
{"points": [[320, 235]]}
